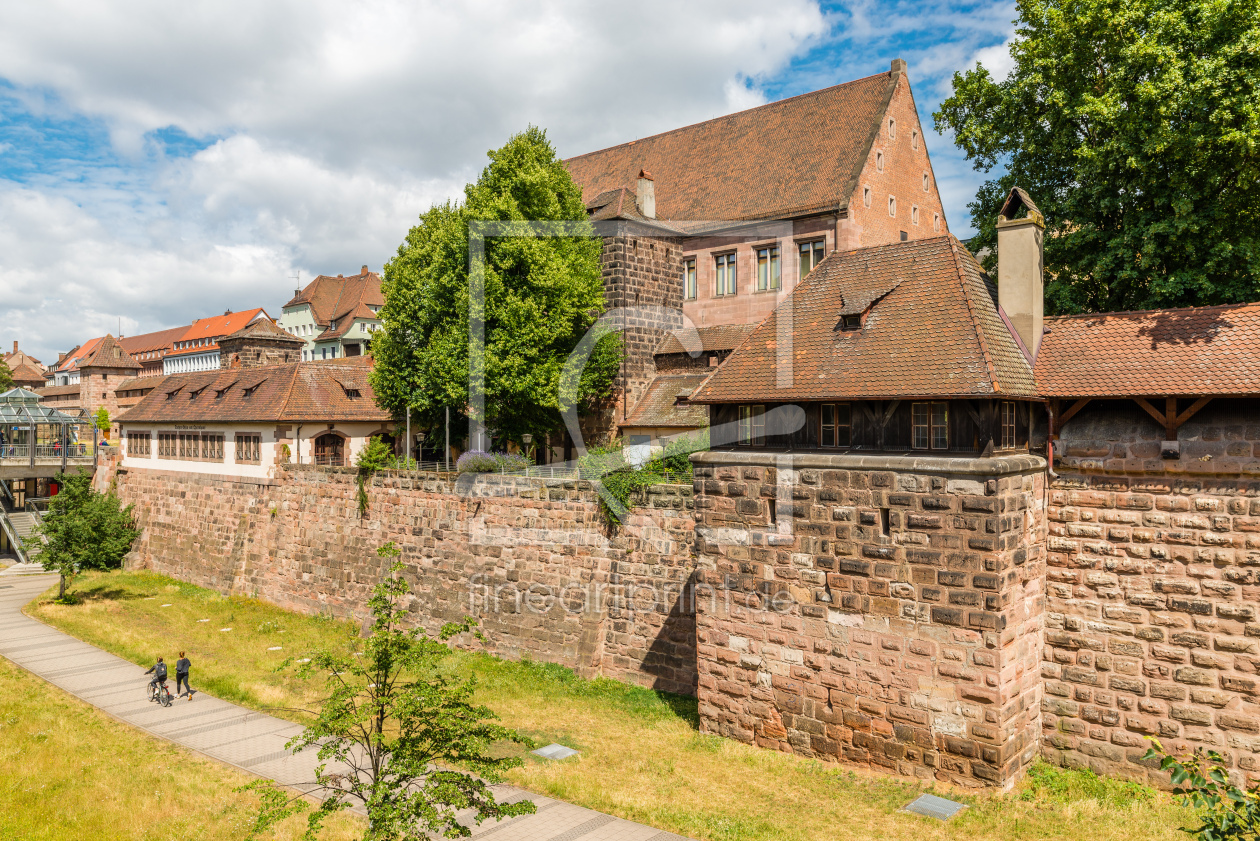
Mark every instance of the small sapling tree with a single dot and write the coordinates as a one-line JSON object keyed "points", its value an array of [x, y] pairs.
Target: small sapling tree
{"points": [[82, 530], [1228, 812], [396, 734]]}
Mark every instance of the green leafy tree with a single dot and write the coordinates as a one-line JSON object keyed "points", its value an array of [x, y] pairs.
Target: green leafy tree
{"points": [[1135, 126], [377, 455], [6, 376], [82, 530], [102, 420], [1228, 812], [405, 738], [541, 295]]}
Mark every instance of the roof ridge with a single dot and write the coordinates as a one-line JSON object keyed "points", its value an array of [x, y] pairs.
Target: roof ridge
{"points": [[1148, 312], [975, 320], [798, 96]]}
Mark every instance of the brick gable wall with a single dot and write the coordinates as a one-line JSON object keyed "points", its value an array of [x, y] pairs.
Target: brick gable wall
{"points": [[902, 177]]}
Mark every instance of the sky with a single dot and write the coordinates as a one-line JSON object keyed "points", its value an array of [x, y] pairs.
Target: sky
{"points": [[161, 162]]}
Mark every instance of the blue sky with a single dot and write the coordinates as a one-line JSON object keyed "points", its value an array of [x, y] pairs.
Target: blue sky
{"points": [[159, 163]]}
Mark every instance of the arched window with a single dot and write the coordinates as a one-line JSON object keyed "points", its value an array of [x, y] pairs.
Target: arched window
{"points": [[330, 450]]}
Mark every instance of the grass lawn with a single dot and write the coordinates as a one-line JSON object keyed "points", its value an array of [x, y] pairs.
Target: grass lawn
{"points": [[642, 757], [68, 771]]}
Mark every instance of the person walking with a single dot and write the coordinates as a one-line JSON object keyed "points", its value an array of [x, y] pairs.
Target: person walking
{"points": [[182, 667]]}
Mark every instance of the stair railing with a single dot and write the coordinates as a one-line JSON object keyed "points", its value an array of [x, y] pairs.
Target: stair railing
{"points": [[14, 540]]}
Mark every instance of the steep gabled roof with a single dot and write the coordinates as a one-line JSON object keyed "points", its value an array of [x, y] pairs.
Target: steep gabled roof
{"points": [[213, 328], [108, 353], [264, 328], [333, 298], [298, 392], [931, 328], [666, 403], [713, 338], [1190, 351], [796, 156]]}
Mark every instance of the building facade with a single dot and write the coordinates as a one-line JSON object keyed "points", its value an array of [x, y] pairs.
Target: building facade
{"points": [[197, 349], [335, 316]]}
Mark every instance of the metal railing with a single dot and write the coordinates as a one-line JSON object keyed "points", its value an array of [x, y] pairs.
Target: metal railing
{"points": [[14, 541], [4, 487], [37, 507], [16, 451]]}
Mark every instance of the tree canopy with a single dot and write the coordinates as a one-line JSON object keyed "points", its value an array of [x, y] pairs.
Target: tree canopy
{"points": [[1135, 126], [6, 376], [82, 530], [541, 295]]}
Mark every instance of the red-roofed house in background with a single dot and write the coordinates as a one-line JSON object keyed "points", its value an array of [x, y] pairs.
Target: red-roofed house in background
{"points": [[335, 316], [28, 372], [198, 348], [723, 219]]}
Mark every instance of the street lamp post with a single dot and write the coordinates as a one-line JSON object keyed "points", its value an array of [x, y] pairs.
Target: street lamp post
{"points": [[419, 445], [527, 439]]}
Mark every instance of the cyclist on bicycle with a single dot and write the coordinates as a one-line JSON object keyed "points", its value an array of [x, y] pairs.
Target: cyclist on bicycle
{"points": [[158, 670]]}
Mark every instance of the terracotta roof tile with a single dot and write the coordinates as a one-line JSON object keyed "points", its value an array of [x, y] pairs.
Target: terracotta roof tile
{"points": [[659, 405], [334, 297], [108, 353], [1199, 351], [797, 155], [715, 338], [935, 332], [210, 330], [298, 392]]}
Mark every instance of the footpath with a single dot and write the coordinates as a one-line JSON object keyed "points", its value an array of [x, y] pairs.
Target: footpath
{"points": [[248, 740]]}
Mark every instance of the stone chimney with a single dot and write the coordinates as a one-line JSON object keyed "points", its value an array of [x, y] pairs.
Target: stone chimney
{"points": [[899, 66], [1021, 284], [647, 194], [365, 270], [15, 345], [297, 292]]}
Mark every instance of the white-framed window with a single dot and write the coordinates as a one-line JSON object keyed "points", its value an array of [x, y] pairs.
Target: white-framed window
{"points": [[866, 196], [892, 206], [835, 425], [752, 426], [914, 215], [689, 279], [811, 254], [929, 426], [769, 268], [892, 129], [936, 221], [1008, 424], [879, 161], [724, 271]]}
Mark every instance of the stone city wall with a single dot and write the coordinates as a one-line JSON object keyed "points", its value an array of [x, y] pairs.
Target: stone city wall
{"points": [[880, 610], [1153, 577], [530, 559]]}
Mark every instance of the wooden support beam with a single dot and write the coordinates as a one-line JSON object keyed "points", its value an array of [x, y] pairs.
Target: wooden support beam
{"points": [[1151, 410], [975, 416], [888, 413], [1170, 418], [1072, 410], [1194, 408]]}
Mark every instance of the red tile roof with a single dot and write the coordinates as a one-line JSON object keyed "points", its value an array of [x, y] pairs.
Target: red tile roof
{"points": [[1192, 351], [714, 338], [935, 332], [108, 353], [299, 392], [210, 330], [660, 407], [336, 298], [795, 156]]}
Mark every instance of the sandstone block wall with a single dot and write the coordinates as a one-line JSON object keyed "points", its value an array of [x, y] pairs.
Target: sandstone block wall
{"points": [[1152, 585], [530, 559], [885, 611]]}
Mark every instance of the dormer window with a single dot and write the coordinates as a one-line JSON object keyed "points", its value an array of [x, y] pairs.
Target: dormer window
{"points": [[851, 322], [192, 395]]}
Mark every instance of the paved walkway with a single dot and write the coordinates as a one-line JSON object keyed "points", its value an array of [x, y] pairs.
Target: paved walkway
{"points": [[248, 740]]}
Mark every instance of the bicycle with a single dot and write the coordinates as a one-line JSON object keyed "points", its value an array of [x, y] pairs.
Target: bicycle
{"points": [[160, 693]]}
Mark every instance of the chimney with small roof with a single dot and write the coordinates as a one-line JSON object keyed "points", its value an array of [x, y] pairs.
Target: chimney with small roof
{"points": [[1021, 274], [646, 194]]}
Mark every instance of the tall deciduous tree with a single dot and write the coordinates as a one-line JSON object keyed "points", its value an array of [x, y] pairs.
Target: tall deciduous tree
{"points": [[1135, 126], [6, 376], [82, 530], [406, 741], [541, 295]]}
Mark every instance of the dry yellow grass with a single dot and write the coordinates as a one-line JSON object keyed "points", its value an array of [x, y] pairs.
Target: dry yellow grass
{"points": [[642, 757], [68, 772]]}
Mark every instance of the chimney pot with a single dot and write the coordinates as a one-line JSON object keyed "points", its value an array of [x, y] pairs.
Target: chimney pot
{"points": [[646, 194], [1021, 272]]}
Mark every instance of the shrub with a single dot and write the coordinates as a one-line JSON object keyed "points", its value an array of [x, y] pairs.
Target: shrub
{"points": [[476, 461], [511, 461]]}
